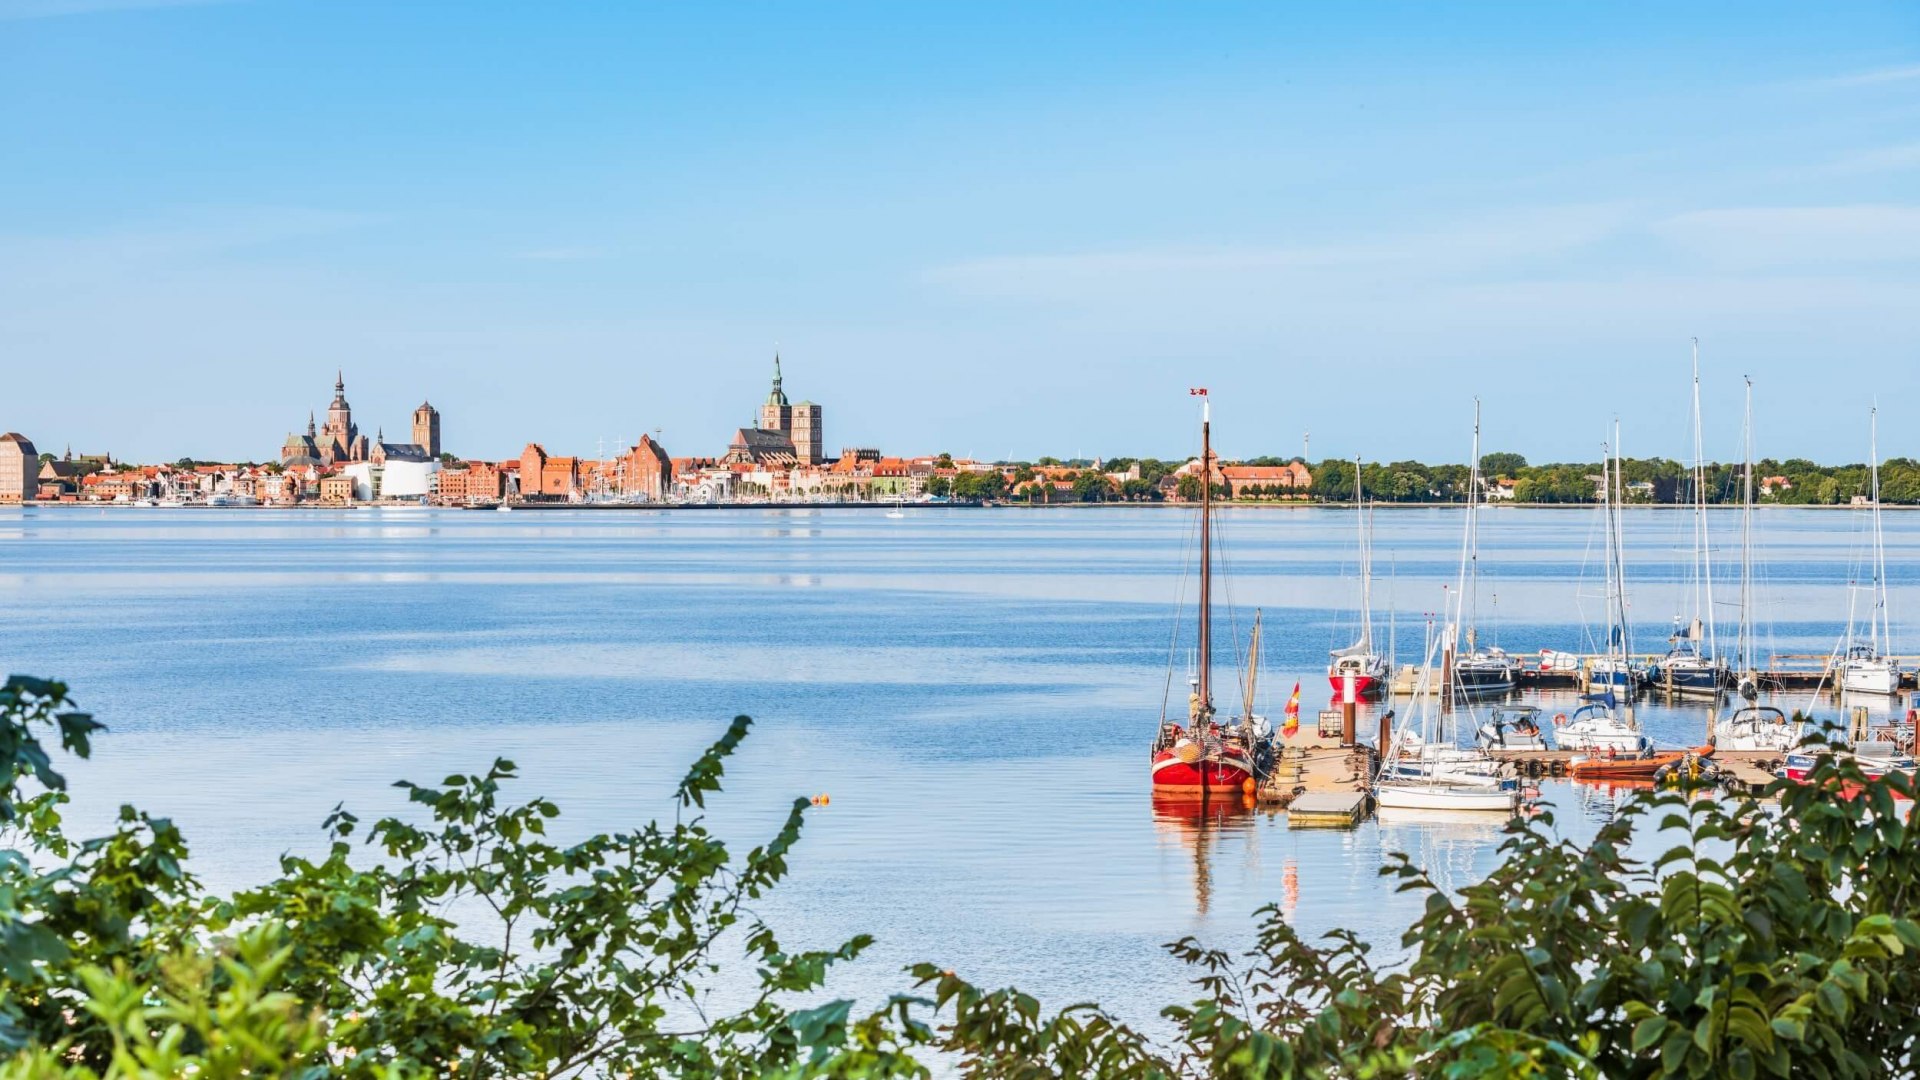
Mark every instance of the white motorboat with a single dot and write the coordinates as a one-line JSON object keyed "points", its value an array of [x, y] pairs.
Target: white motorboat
{"points": [[1513, 727], [1757, 727]]}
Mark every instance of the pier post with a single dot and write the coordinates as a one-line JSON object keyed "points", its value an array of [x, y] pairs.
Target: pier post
{"points": [[1446, 678], [1349, 712]]}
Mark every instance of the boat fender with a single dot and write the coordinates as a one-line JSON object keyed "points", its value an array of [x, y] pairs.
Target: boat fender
{"points": [[1559, 718]]}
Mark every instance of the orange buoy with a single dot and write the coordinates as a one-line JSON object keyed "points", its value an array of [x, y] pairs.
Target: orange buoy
{"points": [[1250, 785], [824, 800]]}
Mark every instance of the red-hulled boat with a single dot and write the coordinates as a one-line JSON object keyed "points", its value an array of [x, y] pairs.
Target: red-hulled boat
{"points": [[1204, 756]]}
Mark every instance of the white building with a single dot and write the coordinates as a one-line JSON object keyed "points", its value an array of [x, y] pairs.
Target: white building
{"points": [[393, 480]]}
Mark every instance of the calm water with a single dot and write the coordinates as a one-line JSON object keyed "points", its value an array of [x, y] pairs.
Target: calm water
{"points": [[974, 689]]}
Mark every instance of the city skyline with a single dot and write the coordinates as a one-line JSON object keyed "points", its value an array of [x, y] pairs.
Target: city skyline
{"points": [[1020, 235]]}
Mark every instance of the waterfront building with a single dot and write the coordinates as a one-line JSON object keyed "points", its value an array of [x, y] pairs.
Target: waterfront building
{"points": [[426, 428], [392, 478], [646, 471], [336, 489], [477, 481], [19, 469], [546, 477], [1264, 481]]}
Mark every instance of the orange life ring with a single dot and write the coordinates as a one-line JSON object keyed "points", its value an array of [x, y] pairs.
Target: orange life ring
{"points": [[1559, 718]]}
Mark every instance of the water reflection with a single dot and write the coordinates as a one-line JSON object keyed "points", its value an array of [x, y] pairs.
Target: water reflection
{"points": [[1199, 826]]}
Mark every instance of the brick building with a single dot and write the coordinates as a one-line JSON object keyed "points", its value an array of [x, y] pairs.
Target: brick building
{"points": [[19, 469]]}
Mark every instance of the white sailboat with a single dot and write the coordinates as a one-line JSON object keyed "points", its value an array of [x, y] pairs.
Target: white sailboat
{"points": [[1598, 724], [1419, 772], [1692, 665], [1424, 767], [1753, 727], [1480, 671], [1867, 668], [1358, 672]]}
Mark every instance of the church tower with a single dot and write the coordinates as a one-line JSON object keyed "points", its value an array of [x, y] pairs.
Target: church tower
{"points": [[776, 414], [809, 442], [338, 435], [426, 428]]}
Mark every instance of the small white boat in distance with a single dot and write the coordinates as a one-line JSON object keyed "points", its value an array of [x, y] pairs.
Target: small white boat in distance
{"points": [[504, 508], [899, 510], [1867, 668]]}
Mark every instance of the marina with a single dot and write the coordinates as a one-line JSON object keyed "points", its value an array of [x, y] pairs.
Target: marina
{"points": [[1002, 666]]}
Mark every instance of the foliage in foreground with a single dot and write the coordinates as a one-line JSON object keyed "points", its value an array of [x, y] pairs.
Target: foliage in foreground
{"points": [[1761, 943]]}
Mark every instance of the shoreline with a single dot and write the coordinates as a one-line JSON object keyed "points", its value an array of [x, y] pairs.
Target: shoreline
{"points": [[1059, 506]]}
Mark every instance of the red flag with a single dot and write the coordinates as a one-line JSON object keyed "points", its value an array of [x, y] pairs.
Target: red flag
{"points": [[1196, 391], [1293, 713]]}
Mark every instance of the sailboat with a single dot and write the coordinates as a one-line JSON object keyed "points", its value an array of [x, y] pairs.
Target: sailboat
{"points": [[1615, 670], [1423, 770], [1480, 671], [1754, 726], [1207, 756], [1692, 666], [1867, 669], [1357, 672], [1597, 725]]}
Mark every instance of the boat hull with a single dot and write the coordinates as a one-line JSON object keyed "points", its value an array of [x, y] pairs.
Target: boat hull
{"points": [[1214, 776], [1447, 797], [1635, 768], [1356, 687], [1870, 677], [1692, 681], [1483, 681]]}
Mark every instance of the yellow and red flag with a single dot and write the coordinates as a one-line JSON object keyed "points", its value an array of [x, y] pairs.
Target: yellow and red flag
{"points": [[1292, 724]]}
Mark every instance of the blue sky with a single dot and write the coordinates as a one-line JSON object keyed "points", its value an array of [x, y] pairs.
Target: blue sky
{"points": [[990, 229]]}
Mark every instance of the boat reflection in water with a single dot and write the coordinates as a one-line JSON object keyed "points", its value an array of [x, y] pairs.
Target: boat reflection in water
{"points": [[1198, 824]]}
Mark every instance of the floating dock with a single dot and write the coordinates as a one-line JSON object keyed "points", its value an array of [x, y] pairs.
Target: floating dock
{"points": [[1321, 783], [1327, 809]]}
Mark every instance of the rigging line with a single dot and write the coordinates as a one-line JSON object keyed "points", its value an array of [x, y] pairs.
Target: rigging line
{"points": [[1189, 535]]}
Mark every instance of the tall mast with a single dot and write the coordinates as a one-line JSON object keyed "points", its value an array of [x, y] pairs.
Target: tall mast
{"points": [[1702, 544], [1882, 621], [1366, 560], [1745, 644], [1206, 553], [1620, 545], [1467, 601], [1607, 525]]}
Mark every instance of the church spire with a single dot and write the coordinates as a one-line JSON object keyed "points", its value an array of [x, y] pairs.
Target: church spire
{"points": [[310, 429], [339, 380], [776, 396]]}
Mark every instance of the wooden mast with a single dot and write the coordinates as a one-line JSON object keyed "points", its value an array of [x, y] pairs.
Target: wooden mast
{"points": [[1206, 553]]}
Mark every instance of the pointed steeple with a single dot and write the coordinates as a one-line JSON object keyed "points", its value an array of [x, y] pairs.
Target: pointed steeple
{"points": [[339, 380], [776, 396], [310, 427]]}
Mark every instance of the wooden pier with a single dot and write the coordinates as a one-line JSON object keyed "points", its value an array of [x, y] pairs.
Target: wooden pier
{"points": [[1321, 782], [1783, 672]]}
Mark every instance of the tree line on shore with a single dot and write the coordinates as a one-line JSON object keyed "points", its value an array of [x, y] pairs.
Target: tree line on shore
{"points": [[1656, 481], [1761, 941]]}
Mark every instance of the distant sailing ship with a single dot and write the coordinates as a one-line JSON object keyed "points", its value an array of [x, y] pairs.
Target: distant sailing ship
{"points": [[1206, 756]]}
